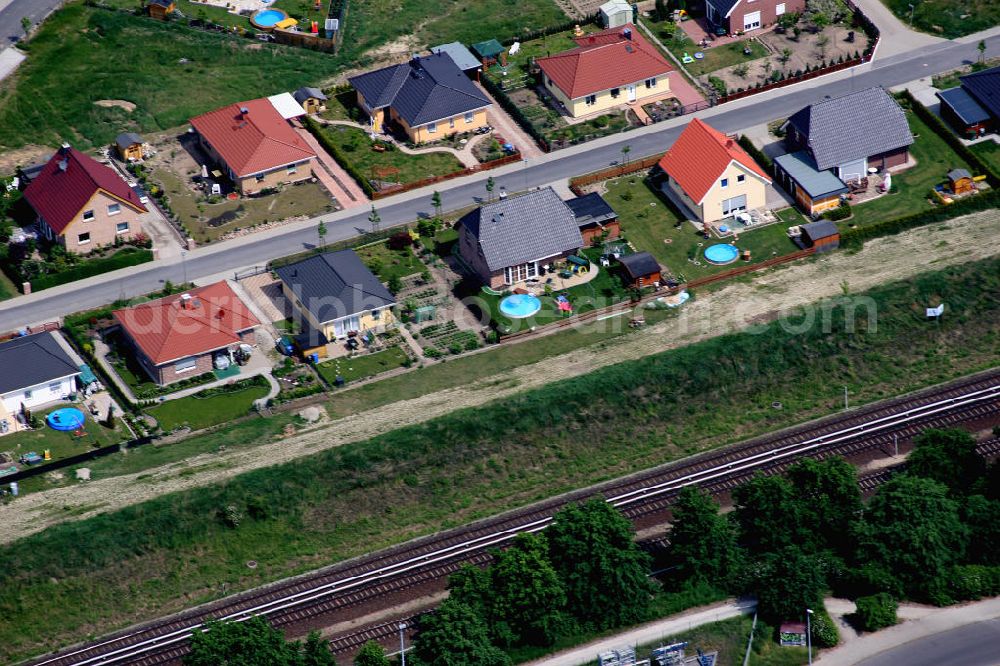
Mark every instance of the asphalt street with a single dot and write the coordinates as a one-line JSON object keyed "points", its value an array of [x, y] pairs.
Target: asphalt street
{"points": [[258, 249], [13, 11], [970, 645]]}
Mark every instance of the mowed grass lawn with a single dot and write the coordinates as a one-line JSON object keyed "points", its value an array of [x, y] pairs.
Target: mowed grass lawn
{"points": [[649, 226], [63, 444], [989, 152], [82, 55], [387, 263], [356, 146], [198, 411], [362, 365]]}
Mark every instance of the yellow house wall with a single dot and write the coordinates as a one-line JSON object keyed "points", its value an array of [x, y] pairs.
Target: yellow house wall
{"points": [[579, 107], [102, 228], [695, 207], [752, 187], [250, 185], [377, 114], [366, 323], [420, 134]]}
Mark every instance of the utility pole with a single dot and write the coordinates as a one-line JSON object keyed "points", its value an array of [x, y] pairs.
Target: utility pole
{"points": [[895, 444], [402, 645], [809, 635]]}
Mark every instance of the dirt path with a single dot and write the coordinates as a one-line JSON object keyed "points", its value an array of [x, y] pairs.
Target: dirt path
{"points": [[736, 306]]}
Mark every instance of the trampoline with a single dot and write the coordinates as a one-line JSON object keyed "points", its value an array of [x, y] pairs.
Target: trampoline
{"points": [[66, 419]]}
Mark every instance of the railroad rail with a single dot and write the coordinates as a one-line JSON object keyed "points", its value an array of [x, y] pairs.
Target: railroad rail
{"points": [[415, 563]]}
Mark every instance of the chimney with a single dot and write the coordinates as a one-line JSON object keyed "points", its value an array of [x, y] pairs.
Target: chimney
{"points": [[186, 301], [244, 110], [627, 33], [64, 149]]}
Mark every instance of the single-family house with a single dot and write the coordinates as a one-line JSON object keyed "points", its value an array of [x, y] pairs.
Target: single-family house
{"points": [[712, 174], [160, 9], [813, 190], [428, 98], [312, 99], [337, 295], [37, 370], [129, 146], [189, 334], [596, 219], [616, 13], [851, 134], [973, 107], [518, 237], [735, 16], [83, 204], [256, 144], [463, 58], [640, 269], [607, 69]]}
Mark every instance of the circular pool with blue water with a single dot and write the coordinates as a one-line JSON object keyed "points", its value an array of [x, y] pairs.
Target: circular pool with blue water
{"points": [[519, 306], [265, 19], [65, 419], [721, 254]]}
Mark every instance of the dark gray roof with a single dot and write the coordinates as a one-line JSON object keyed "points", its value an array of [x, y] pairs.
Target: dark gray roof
{"points": [[820, 229], [640, 264], [591, 209], [955, 174], [985, 87], [462, 56], [127, 139], [802, 168], [422, 90], [33, 359], [335, 285], [305, 92], [524, 228], [853, 127], [723, 6], [964, 106]]}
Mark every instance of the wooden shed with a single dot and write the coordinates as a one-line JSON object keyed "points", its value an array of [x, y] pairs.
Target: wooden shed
{"points": [[159, 9], [641, 269], [822, 235], [960, 181], [129, 146]]}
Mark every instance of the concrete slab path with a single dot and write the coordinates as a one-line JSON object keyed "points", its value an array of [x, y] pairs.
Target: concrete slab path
{"points": [[333, 176]]}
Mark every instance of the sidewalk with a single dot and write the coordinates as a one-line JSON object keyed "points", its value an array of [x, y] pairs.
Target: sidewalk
{"points": [[895, 36]]}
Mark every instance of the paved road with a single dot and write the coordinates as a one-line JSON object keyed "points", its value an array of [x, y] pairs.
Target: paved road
{"points": [[257, 249], [972, 645], [12, 11]]}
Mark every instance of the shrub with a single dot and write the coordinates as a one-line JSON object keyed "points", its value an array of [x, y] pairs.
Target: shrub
{"points": [[400, 240], [841, 212], [876, 612], [718, 84], [754, 152], [824, 633], [975, 581]]}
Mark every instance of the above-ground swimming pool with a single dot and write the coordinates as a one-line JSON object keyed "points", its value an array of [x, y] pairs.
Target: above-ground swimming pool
{"points": [[266, 18], [66, 419], [720, 254], [519, 306]]}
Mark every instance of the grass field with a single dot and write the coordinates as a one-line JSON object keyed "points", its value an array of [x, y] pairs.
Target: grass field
{"points": [[362, 365], [82, 55], [7, 288], [386, 263], [198, 411], [948, 18], [180, 549], [63, 444], [356, 146], [989, 152]]}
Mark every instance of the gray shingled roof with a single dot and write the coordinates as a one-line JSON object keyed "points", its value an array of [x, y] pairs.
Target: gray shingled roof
{"points": [[462, 56], [853, 127], [820, 229], [519, 229], [335, 285], [640, 264], [127, 139], [802, 168], [984, 86], [723, 6], [31, 360], [305, 92], [423, 90]]}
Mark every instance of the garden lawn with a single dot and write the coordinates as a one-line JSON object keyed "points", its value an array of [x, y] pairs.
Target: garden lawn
{"points": [[387, 264], [362, 366], [989, 152], [197, 411], [356, 146], [648, 226], [716, 57], [948, 18], [63, 444], [7, 288], [729, 639], [934, 160], [83, 54]]}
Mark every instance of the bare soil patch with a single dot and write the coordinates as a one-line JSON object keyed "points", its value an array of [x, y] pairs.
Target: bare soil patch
{"points": [[116, 103], [26, 156]]}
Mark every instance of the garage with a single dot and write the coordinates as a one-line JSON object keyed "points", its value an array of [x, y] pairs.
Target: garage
{"points": [[751, 21]]}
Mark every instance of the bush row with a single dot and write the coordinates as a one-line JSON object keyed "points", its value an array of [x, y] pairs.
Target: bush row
{"points": [[552, 29], [338, 154], [122, 259], [756, 153]]}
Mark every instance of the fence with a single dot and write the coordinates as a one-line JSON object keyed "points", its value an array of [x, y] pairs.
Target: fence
{"points": [[743, 270], [579, 182], [75, 460], [486, 166]]}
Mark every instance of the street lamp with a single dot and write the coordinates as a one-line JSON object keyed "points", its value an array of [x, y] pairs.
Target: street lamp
{"points": [[809, 634], [402, 645], [184, 265], [525, 172], [911, 15]]}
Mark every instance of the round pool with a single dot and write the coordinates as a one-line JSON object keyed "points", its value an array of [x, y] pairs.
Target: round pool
{"points": [[519, 306], [266, 18], [721, 254], [65, 419]]}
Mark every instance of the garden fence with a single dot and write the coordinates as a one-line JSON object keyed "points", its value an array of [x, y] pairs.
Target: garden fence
{"points": [[87, 456], [485, 166], [633, 166]]}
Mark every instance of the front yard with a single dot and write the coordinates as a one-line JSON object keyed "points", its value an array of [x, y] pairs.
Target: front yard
{"points": [[948, 18], [679, 43], [388, 264]]}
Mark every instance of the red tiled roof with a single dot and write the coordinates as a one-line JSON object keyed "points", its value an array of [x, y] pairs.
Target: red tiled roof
{"points": [[604, 60], [168, 330], [259, 141], [58, 195], [699, 157]]}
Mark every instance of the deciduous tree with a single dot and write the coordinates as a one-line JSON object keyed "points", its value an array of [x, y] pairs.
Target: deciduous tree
{"points": [[371, 654], [455, 635], [829, 502], [526, 595], [768, 515], [948, 457], [786, 582], [251, 643], [702, 541]]}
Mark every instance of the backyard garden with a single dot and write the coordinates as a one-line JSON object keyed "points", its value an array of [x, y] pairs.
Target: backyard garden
{"points": [[59, 444], [210, 407], [362, 365], [391, 260], [948, 18]]}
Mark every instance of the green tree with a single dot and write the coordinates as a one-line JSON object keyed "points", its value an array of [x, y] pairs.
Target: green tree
{"points": [[948, 457], [436, 202], [25, 24], [982, 516], [526, 595], [981, 47], [375, 220], [875, 612], [829, 501], [316, 651], [490, 184], [470, 586], [395, 284], [250, 643], [768, 515], [911, 535], [820, 20], [606, 575], [626, 149], [371, 654], [321, 232], [786, 582], [702, 541], [455, 635]]}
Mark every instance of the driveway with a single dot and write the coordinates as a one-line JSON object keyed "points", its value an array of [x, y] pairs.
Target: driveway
{"points": [[510, 130], [896, 37]]}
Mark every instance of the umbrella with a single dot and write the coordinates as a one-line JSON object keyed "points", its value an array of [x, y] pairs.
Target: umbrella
{"points": [[204, 171], [887, 182]]}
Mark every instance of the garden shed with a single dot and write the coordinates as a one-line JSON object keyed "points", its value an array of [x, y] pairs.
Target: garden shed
{"points": [[960, 181], [641, 269], [488, 51], [616, 13], [822, 235]]}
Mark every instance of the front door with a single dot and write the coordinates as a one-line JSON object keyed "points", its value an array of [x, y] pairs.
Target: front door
{"points": [[631, 93], [751, 21]]}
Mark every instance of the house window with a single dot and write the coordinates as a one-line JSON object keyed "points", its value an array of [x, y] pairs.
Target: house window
{"points": [[83, 238], [432, 128], [259, 177], [292, 169], [615, 92], [740, 178], [185, 365], [470, 117], [27, 394], [779, 9], [121, 228], [724, 182], [55, 387], [651, 83], [88, 215], [376, 314], [451, 123], [590, 100], [114, 209]]}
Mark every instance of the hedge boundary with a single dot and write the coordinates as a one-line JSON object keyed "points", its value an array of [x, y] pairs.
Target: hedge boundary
{"points": [[317, 131], [756, 153], [92, 267]]}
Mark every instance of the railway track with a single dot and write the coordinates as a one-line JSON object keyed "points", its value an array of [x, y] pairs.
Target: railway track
{"points": [[410, 565]]}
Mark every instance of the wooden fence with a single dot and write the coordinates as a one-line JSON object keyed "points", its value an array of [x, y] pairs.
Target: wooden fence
{"points": [[485, 166], [641, 164], [750, 268]]}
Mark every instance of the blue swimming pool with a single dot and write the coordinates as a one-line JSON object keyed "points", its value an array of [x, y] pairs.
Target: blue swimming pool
{"points": [[65, 419], [266, 18], [519, 306], [720, 254]]}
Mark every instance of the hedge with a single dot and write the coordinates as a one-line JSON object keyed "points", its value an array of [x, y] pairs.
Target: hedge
{"points": [[756, 153], [876, 612], [337, 154], [552, 29], [91, 267], [973, 581], [515, 112]]}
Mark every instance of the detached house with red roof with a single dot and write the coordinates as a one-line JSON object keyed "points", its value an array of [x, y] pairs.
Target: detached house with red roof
{"points": [[182, 335], [712, 174], [83, 204], [256, 144], [609, 68]]}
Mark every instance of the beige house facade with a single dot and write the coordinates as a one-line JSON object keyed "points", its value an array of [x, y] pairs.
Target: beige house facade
{"points": [[737, 189], [104, 219]]}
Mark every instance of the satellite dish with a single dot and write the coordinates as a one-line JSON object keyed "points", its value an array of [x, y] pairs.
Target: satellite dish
{"points": [[515, 47]]}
